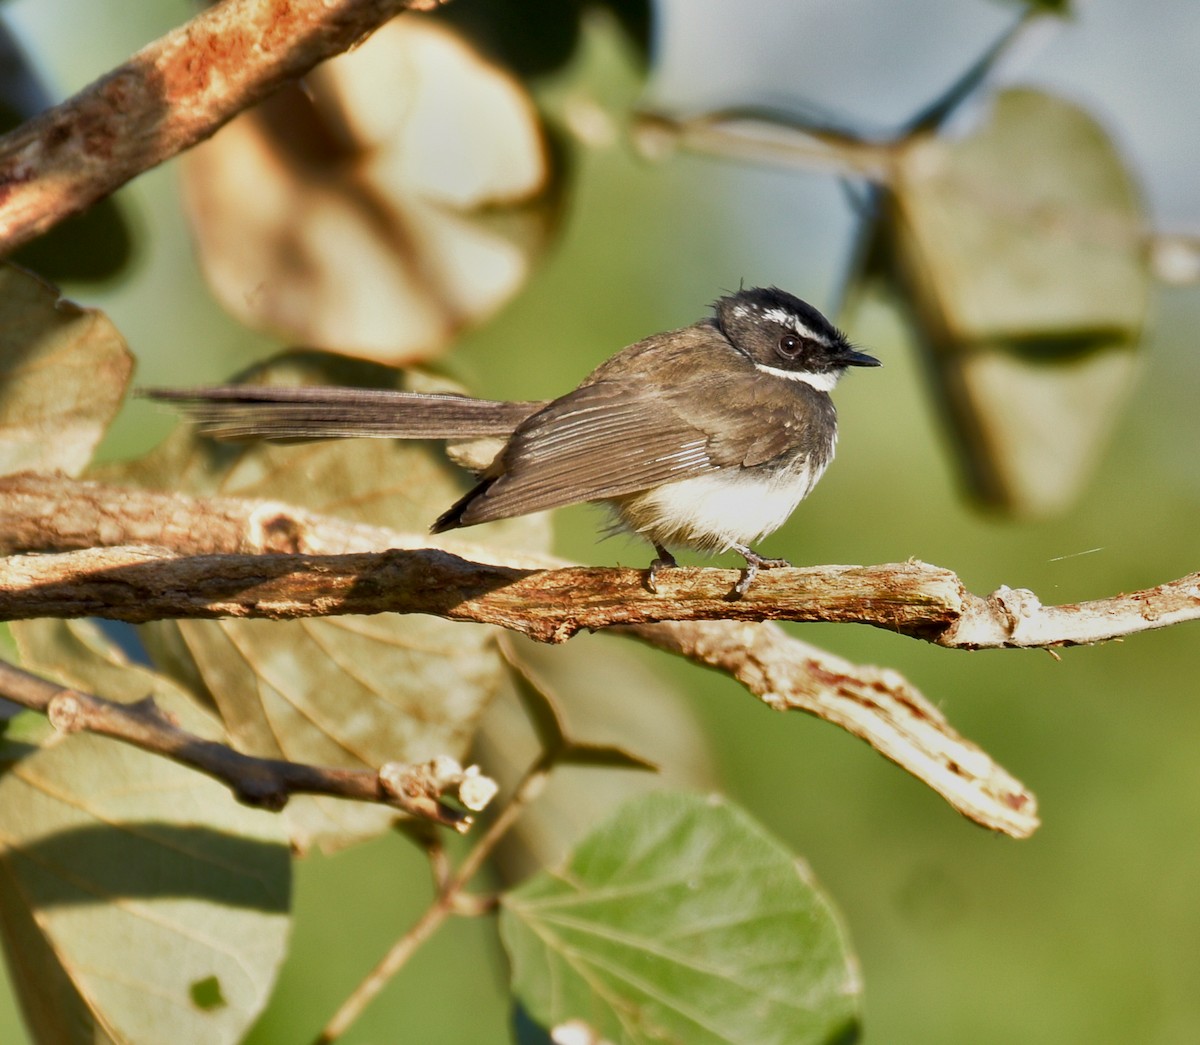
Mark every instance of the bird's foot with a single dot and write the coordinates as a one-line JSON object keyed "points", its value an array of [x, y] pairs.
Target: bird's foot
{"points": [[665, 561], [754, 563]]}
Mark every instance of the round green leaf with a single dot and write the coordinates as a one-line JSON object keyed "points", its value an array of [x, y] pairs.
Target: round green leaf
{"points": [[138, 901], [1030, 228], [681, 919], [1020, 250]]}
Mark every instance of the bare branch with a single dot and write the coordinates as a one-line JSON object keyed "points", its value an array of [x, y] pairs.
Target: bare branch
{"points": [[50, 512], [874, 704], [337, 567], [138, 584], [262, 782], [770, 138], [171, 95], [764, 137], [300, 577], [53, 513], [1014, 618]]}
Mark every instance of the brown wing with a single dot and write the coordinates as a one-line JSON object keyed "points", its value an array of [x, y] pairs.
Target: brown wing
{"points": [[594, 443]]}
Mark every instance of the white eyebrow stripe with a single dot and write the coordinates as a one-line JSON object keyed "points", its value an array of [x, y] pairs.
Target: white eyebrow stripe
{"points": [[821, 382], [788, 319]]}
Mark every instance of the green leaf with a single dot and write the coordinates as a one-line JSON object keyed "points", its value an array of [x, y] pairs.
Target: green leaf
{"points": [[22, 734], [344, 691], [1020, 250], [1029, 228], [618, 718], [138, 900], [63, 374], [681, 919]]}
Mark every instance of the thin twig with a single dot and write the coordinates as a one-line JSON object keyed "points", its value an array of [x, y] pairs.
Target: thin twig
{"points": [[762, 137], [446, 903], [452, 897], [168, 97], [261, 782], [773, 138]]}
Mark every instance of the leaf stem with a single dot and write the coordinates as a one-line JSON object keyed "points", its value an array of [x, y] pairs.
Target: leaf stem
{"points": [[447, 902]]}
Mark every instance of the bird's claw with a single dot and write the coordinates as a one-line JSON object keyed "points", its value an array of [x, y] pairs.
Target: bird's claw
{"points": [[665, 561], [754, 563]]}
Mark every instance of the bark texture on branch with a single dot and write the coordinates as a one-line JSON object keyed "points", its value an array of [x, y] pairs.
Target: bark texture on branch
{"points": [[139, 584], [877, 705], [207, 561], [174, 93], [534, 594], [39, 512]]}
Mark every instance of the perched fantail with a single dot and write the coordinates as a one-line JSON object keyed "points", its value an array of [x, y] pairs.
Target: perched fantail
{"points": [[706, 437]]}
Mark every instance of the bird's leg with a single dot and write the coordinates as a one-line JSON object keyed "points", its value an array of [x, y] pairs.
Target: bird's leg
{"points": [[665, 560], [754, 563]]}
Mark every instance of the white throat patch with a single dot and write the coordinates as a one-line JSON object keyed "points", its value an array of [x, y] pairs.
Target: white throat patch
{"points": [[821, 382]]}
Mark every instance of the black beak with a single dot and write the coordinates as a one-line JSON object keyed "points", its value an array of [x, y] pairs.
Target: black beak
{"points": [[852, 357]]}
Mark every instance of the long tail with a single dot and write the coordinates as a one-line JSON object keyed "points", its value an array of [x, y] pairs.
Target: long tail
{"points": [[265, 412]]}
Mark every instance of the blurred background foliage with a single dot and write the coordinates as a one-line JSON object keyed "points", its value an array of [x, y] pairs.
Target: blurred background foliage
{"points": [[1085, 933]]}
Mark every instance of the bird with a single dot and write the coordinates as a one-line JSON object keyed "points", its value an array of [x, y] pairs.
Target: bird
{"points": [[706, 437]]}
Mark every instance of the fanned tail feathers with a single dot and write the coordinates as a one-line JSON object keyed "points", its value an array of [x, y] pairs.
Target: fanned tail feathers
{"points": [[311, 412]]}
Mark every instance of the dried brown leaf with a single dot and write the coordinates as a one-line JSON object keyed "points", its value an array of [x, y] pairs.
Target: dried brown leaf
{"points": [[396, 199], [63, 374]]}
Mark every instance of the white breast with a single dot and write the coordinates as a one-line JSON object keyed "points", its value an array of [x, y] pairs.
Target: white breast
{"points": [[716, 511]]}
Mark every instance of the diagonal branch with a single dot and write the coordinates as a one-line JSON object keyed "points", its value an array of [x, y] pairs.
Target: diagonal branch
{"points": [[877, 705], [171, 95], [266, 783]]}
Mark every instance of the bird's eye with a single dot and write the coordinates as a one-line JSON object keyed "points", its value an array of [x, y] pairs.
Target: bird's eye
{"points": [[789, 345]]}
